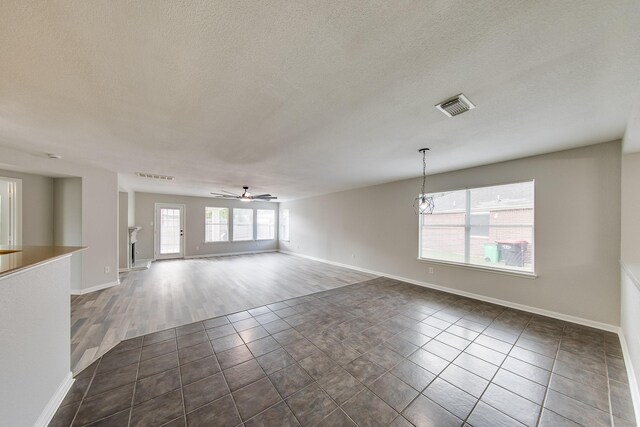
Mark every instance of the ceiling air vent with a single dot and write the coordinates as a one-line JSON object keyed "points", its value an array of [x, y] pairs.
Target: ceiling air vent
{"points": [[456, 105], [155, 176]]}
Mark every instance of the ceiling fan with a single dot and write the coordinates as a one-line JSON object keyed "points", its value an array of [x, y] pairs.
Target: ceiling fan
{"points": [[245, 196]]}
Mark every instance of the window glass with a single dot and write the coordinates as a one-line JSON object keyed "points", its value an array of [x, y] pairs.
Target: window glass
{"points": [[242, 224], [284, 225], [216, 225], [443, 231], [266, 224], [488, 226]]}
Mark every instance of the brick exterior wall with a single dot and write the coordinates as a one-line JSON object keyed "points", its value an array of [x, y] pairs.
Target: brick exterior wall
{"points": [[451, 239]]}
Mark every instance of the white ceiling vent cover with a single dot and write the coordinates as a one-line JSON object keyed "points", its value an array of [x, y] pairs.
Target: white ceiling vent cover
{"points": [[155, 176], [457, 105]]}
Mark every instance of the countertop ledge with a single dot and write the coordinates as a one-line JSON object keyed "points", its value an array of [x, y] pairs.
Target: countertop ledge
{"points": [[30, 256]]}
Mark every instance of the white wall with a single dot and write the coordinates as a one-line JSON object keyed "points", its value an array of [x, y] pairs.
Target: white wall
{"points": [[577, 232], [194, 225], [630, 259], [67, 221], [37, 207], [99, 212], [34, 332]]}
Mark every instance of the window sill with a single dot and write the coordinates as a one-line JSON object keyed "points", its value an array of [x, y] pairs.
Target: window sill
{"points": [[265, 240], [210, 242], [506, 272]]}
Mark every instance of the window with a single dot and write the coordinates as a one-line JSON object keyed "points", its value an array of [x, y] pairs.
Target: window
{"points": [[284, 225], [491, 227], [242, 224], [480, 224], [216, 224], [266, 220]]}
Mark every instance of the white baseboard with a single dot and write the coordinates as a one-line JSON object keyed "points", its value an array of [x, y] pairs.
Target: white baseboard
{"points": [[527, 308], [633, 383], [52, 406], [230, 254], [94, 288]]}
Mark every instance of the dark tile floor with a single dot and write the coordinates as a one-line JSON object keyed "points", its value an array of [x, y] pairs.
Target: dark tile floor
{"points": [[380, 352]]}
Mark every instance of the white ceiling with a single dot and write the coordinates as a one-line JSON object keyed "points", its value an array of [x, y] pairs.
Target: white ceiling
{"points": [[296, 98]]}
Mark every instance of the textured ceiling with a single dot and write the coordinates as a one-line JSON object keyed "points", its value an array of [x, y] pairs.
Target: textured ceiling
{"points": [[295, 98]]}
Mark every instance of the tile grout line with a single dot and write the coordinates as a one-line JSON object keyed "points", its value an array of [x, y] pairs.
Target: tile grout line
{"points": [[184, 407], [84, 395], [135, 384], [573, 380], [546, 390], [395, 310], [496, 373], [215, 355], [420, 392]]}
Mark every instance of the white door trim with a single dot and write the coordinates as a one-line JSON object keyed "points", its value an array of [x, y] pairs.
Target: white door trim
{"points": [[156, 230]]}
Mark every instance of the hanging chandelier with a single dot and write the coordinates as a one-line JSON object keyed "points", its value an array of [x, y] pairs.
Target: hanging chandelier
{"points": [[423, 204]]}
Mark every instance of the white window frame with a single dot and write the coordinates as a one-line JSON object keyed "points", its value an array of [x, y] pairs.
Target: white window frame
{"points": [[467, 227], [284, 224], [233, 225], [206, 237], [273, 225]]}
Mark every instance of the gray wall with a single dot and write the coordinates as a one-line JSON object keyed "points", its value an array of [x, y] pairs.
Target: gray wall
{"points": [[131, 208], [123, 230], [577, 231], [37, 208], [630, 236], [67, 221], [99, 213], [194, 225]]}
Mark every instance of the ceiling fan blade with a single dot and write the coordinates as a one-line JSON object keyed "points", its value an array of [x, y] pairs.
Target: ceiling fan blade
{"points": [[223, 196], [229, 192], [263, 195]]}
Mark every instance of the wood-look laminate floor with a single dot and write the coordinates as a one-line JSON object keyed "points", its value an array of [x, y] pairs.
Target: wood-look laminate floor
{"points": [[176, 292]]}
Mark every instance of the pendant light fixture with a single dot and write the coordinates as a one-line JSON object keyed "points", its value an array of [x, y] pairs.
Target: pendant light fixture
{"points": [[423, 204]]}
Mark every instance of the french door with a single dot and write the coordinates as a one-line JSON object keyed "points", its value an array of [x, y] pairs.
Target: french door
{"points": [[169, 231]]}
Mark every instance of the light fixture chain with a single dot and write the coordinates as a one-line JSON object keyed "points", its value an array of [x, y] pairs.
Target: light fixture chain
{"points": [[424, 170], [423, 204]]}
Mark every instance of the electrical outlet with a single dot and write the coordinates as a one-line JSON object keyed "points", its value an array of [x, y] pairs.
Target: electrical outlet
{"points": [[107, 269], [430, 270]]}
